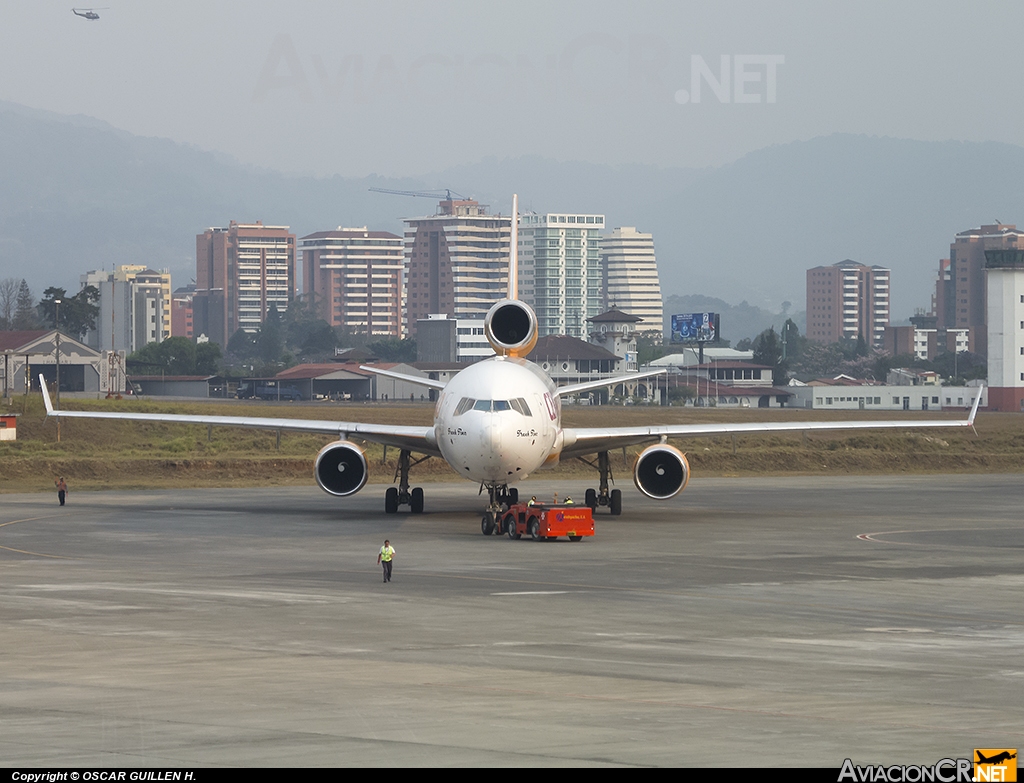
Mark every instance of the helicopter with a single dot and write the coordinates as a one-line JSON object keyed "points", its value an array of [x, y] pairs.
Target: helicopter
{"points": [[87, 13]]}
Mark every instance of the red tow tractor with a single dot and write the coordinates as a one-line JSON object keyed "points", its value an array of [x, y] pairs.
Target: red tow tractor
{"points": [[543, 521]]}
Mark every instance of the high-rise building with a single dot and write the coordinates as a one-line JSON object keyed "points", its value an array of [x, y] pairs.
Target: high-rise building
{"points": [[133, 309], [241, 271], [560, 272], [961, 290], [845, 300], [631, 277], [457, 262], [1005, 331], [354, 277]]}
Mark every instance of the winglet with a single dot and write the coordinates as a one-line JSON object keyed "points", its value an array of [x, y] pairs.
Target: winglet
{"points": [[974, 409], [46, 395]]}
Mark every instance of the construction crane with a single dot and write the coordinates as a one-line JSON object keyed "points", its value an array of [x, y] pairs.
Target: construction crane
{"points": [[421, 193]]}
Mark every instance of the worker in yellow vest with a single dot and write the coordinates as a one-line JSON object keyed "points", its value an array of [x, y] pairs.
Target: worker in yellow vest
{"points": [[384, 558]]}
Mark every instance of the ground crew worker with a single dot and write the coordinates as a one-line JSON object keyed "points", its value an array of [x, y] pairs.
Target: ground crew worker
{"points": [[62, 489], [384, 557], [568, 500], [533, 501]]}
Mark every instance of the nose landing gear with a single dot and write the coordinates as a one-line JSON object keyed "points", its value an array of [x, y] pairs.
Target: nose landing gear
{"points": [[501, 497]]}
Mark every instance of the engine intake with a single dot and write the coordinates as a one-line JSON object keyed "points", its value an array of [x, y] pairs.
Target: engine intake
{"points": [[661, 471], [511, 328], [340, 468]]}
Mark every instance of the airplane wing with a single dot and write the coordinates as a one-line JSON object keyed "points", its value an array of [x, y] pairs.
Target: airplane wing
{"points": [[418, 439], [430, 383], [577, 388], [588, 440]]}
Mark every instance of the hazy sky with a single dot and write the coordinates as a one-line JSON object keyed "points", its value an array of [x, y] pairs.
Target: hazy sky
{"points": [[409, 87]]}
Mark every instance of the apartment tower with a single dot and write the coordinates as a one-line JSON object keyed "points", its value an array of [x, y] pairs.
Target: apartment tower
{"points": [[456, 262], [241, 271], [845, 300], [560, 273], [631, 277], [354, 277]]}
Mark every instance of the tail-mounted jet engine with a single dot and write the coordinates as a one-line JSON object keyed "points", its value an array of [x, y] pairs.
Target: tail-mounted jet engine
{"points": [[511, 328], [661, 471], [340, 468]]}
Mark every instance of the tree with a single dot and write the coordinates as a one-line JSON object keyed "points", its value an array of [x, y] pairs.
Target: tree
{"points": [[242, 344], [77, 313], [269, 342], [208, 358], [792, 340], [392, 349], [8, 302], [25, 316], [768, 351], [179, 356], [649, 346]]}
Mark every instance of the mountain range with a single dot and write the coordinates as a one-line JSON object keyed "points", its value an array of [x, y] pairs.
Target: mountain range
{"points": [[78, 194]]}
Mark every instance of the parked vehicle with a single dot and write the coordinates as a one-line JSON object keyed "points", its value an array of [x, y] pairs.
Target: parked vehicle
{"points": [[543, 521]]}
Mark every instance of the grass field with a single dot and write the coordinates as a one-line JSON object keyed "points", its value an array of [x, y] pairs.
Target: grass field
{"points": [[109, 455]]}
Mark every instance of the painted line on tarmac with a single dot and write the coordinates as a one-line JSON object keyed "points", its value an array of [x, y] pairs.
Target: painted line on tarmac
{"points": [[25, 551], [542, 592], [871, 537]]}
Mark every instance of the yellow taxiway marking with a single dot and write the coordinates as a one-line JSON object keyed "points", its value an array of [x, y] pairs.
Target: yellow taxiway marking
{"points": [[25, 551]]}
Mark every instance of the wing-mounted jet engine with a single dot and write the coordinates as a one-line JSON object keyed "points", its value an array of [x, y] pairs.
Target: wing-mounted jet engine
{"points": [[340, 468], [661, 471], [511, 328]]}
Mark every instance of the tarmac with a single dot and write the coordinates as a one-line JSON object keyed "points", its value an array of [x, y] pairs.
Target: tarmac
{"points": [[747, 622]]}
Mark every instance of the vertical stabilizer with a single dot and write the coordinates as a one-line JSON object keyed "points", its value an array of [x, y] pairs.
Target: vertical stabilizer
{"points": [[513, 255]]}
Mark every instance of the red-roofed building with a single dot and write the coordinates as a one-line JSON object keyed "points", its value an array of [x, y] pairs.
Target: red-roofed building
{"points": [[26, 355], [350, 381]]}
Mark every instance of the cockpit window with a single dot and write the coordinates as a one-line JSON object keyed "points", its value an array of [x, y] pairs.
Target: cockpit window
{"points": [[519, 404], [468, 404]]}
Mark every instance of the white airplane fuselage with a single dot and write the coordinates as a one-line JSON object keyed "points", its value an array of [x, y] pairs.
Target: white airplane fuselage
{"points": [[498, 421]]}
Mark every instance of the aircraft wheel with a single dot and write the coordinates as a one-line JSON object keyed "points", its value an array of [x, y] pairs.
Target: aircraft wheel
{"points": [[616, 502], [487, 524], [513, 495], [591, 499], [417, 500], [534, 529], [391, 500], [575, 538]]}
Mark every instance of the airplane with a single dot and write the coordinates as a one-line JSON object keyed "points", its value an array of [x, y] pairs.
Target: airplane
{"points": [[499, 420], [87, 13], [996, 759]]}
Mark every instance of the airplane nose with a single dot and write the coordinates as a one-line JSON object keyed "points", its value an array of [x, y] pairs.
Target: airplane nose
{"points": [[491, 436]]}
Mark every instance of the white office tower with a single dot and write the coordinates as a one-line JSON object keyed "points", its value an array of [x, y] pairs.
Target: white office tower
{"points": [[631, 277], [560, 270], [133, 311], [1005, 288]]}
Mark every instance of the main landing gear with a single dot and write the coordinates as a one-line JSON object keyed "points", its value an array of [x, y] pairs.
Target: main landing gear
{"points": [[601, 496], [402, 495], [501, 497]]}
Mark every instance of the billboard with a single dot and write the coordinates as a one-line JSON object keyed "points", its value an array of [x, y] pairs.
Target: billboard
{"points": [[695, 328]]}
